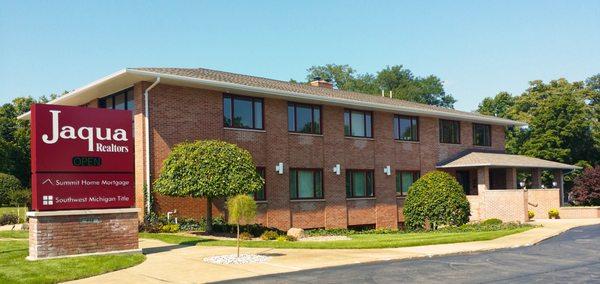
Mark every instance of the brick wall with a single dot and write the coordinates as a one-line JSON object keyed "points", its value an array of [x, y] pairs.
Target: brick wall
{"points": [[578, 212], [506, 205], [52, 236], [179, 114], [540, 201]]}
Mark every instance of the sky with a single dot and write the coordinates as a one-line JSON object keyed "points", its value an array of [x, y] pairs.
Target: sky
{"points": [[478, 48]]}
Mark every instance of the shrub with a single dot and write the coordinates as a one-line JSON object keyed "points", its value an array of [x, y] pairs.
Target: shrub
{"points": [[553, 213], [586, 189], [149, 227], [190, 224], [286, 238], [169, 228], [9, 219], [530, 214], [8, 184], [438, 199], [245, 236], [269, 235], [492, 222]]}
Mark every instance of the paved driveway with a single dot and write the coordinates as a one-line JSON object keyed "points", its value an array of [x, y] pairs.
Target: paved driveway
{"points": [[572, 257]]}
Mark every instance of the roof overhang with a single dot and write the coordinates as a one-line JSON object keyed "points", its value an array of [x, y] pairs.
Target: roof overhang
{"points": [[127, 77], [500, 160]]}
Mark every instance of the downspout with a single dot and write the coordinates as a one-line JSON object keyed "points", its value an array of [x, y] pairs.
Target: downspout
{"points": [[147, 140]]}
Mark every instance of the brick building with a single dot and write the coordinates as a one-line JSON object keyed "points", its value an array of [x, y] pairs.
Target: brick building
{"points": [[330, 158]]}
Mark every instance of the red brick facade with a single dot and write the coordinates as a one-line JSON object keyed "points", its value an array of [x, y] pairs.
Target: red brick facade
{"points": [[179, 114]]}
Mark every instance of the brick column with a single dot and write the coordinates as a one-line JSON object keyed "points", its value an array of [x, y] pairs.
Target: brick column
{"points": [[483, 180], [385, 186], [559, 179], [536, 178], [336, 212], [511, 178]]}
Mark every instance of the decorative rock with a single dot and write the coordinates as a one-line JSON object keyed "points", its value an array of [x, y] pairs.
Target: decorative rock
{"points": [[296, 233], [234, 259]]}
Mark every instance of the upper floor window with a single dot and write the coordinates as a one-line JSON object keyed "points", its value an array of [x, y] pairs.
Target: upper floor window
{"points": [[306, 183], [406, 128], [358, 123], [359, 183], [404, 179], [122, 100], [482, 134], [304, 118], [449, 131], [242, 112], [260, 195]]}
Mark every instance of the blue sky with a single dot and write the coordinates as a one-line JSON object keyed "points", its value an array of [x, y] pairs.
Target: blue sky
{"points": [[477, 47]]}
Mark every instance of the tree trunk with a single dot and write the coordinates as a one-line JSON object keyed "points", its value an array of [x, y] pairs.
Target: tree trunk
{"points": [[238, 240], [208, 215]]}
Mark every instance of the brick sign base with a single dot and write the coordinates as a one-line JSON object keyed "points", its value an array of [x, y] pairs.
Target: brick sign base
{"points": [[76, 232]]}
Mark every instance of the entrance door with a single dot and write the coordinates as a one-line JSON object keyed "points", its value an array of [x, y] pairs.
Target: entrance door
{"points": [[464, 179]]}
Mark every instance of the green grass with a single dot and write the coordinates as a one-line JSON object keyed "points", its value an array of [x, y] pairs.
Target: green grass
{"points": [[14, 234], [15, 269], [359, 241], [14, 210]]}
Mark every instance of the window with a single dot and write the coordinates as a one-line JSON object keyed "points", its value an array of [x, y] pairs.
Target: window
{"points": [[406, 128], [260, 195], [482, 134], [404, 179], [306, 183], [242, 112], [359, 183], [449, 131], [358, 123], [122, 100], [304, 118]]}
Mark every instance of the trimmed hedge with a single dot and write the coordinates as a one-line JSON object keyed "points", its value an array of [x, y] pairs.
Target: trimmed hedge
{"points": [[435, 200]]}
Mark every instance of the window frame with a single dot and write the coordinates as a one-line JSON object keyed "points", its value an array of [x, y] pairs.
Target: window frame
{"points": [[312, 107], [415, 175], [232, 97], [364, 113], [313, 170], [263, 173], [397, 117], [349, 173], [457, 122], [124, 92], [489, 134]]}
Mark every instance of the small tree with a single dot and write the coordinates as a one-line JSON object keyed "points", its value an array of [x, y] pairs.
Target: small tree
{"points": [[208, 169], [18, 198], [8, 184], [242, 210], [438, 199], [587, 188]]}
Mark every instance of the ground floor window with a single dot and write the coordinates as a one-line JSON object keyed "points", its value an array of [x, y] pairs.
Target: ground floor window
{"points": [[359, 183], [404, 179], [306, 183]]}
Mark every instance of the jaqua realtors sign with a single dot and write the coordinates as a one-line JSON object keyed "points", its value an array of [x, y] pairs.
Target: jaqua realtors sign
{"points": [[81, 158]]}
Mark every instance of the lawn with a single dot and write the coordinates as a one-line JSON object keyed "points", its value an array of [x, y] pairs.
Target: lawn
{"points": [[15, 269], [359, 241], [17, 234]]}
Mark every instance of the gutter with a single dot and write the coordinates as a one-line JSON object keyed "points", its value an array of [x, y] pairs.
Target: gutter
{"points": [[147, 140]]}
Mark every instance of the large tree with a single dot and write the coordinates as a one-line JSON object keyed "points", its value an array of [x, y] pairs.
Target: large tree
{"points": [[562, 121], [397, 79], [208, 169]]}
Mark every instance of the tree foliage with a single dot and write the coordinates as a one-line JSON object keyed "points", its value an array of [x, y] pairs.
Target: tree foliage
{"points": [[562, 120], [241, 209], [403, 84], [587, 188], [208, 169], [438, 199], [8, 185]]}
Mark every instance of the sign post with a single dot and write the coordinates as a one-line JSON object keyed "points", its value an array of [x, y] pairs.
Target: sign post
{"points": [[83, 195]]}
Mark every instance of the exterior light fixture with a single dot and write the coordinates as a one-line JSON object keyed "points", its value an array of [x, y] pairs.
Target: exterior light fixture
{"points": [[387, 170], [279, 168], [336, 169], [522, 184], [554, 184]]}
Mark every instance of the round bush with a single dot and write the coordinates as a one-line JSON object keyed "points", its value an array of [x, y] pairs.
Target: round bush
{"points": [[437, 199], [8, 184], [492, 222]]}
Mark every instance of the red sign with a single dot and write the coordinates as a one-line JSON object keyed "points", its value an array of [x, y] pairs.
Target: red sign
{"points": [[81, 158]]}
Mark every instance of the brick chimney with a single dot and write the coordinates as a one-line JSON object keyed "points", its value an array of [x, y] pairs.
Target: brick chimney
{"points": [[318, 82]]}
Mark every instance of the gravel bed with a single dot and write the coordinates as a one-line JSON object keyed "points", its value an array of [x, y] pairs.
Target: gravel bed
{"points": [[233, 259], [324, 239]]}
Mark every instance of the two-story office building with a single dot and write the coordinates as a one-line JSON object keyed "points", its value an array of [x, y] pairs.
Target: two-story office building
{"points": [[330, 158]]}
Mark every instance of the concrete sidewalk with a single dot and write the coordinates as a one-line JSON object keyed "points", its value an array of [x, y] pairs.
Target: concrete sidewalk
{"points": [[184, 264]]}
